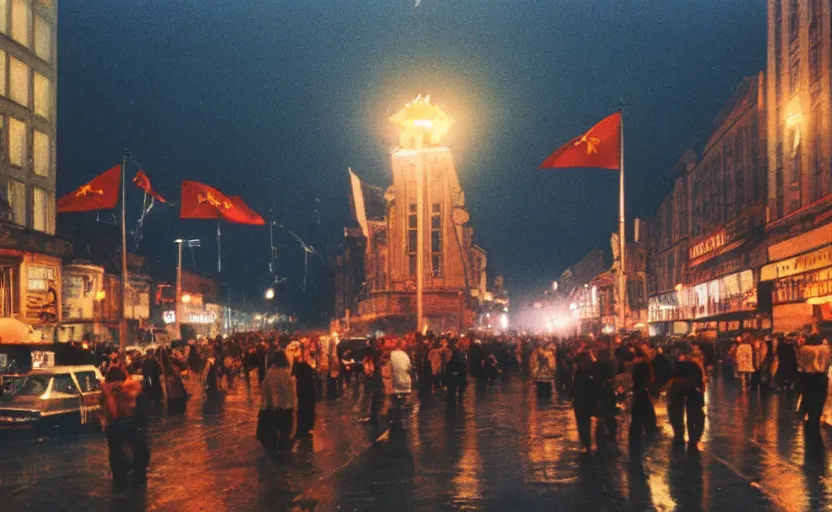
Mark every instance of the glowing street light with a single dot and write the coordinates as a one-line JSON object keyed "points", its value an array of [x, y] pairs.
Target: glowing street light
{"points": [[269, 294]]}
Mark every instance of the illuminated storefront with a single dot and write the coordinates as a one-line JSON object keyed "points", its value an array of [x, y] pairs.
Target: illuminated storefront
{"points": [[722, 304], [801, 289]]}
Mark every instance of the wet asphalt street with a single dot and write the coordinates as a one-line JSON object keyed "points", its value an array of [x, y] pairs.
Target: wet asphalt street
{"points": [[500, 449]]}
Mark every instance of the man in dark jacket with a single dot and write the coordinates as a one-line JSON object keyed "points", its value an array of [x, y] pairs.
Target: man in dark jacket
{"points": [[456, 377], [305, 382], [643, 414], [587, 392], [687, 396]]}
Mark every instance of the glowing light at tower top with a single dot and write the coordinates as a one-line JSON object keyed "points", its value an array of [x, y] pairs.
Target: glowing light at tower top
{"points": [[421, 121]]}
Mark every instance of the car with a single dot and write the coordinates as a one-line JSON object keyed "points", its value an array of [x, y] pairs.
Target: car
{"points": [[65, 396]]}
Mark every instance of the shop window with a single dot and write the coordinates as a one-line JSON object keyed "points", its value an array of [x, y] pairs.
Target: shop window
{"points": [[39, 277]]}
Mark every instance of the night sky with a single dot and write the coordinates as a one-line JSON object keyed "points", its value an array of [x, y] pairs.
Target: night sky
{"points": [[273, 100]]}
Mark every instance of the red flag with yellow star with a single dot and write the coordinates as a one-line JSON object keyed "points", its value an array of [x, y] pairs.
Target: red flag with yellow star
{"points": [[599, 148], [200, 201], [101, 193]]}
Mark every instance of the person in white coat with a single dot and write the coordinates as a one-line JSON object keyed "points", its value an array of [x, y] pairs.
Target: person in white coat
{"points": [[399, 370]]}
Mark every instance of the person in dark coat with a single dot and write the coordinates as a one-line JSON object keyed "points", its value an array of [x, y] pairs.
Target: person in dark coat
{"points": [[686, 396], [643, 414], [787, 364], [305, 382], [456, 377], [662, 371], [586, 389], [152, 376]]}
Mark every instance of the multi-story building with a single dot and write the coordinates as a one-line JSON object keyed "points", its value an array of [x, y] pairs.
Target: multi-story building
{"points": [[30, 255], [389, 219], [707, 240], [799, 230]]}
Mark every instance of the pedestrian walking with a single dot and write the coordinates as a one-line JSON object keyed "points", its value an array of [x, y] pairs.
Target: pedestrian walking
{"points": [[456, 376], [400, 367], [686, 397], [744, 361], [305, 382], [542, 366], [123, 407], [642, 412], [813, 360], [587, 392], [277, 405]]}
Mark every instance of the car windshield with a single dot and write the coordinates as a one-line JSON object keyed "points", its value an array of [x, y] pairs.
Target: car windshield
{"points": [[34, 385]]}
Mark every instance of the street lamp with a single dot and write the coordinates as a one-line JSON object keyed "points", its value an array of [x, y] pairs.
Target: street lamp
{"points": [[269, 294], [194, 242]]}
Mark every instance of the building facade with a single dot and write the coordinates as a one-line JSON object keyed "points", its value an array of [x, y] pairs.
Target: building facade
{"points": [[454, 268], [30, 255], [799, 230], [707, 242]]}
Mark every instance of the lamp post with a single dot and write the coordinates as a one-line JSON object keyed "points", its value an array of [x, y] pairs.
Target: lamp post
{"points": [[178, 307]]}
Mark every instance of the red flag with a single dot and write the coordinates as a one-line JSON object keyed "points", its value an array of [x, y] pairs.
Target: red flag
{"points": [[600, 147], [246, 214], [200, 201], [143, 183], [101, 193]]}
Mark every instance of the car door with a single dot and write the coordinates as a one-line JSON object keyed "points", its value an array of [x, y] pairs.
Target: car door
{"points": [[90, 387]]}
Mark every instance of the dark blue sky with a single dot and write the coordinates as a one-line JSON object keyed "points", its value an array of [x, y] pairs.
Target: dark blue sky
{"points": [[272, 100]]}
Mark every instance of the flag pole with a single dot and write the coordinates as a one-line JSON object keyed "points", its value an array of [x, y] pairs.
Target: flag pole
{"points": [[219, 248], [622, 240], [122, 326]]}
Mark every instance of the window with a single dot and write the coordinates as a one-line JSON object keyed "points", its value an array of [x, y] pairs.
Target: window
{"points": [[43, 39], [2, 71], [4, 21], [21, 15], [7, 290], [17, 142], [817, 171], [64, 384], [42, 214], [43, 96], [412, 239], [88, 381], [19, 81], [39, 277], [17, 201], [436, 240], [42, 154], [794, 23]]}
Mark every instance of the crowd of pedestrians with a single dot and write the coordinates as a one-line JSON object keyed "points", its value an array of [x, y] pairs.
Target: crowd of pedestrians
{"points": [[603, 378]]}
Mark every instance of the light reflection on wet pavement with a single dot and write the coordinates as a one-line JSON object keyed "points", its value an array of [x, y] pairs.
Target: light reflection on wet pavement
{"points": [[500, 449]]}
